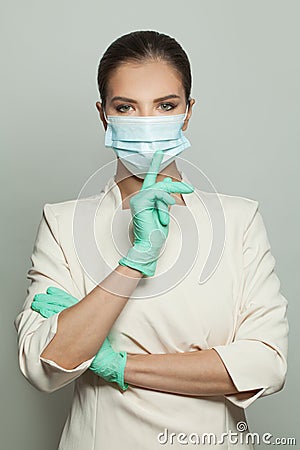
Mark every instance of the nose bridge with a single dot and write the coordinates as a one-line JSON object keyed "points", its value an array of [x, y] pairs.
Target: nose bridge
{"points": [[145, 109]]}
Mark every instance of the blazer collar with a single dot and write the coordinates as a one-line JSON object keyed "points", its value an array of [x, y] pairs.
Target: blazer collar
{"points": [[112, 189]]}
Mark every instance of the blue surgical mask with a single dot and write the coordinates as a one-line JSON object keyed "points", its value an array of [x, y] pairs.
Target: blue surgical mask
{"points": [[136, 138]]}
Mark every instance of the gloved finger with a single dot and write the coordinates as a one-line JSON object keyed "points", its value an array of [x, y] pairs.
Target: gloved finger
{"points": [[158, 194], [151, 175], [106, 344], [58, 306], [163, 212], [175, 186], [107, 340], [45, 312], [38, 306], [104, 354], [46, 299], [42, 298], [63, 296], [49, 312], [55, 290], [104, 350], [35, 306], [148, 197], [52, 290]]}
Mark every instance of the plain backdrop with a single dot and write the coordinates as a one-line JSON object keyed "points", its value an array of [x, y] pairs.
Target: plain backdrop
{"points": [[244, 134]]}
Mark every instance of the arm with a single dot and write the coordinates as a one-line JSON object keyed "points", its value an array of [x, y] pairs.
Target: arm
{"points": [[191, 373], [74, 342], [36, 333], [55, 351], [254, 364]]}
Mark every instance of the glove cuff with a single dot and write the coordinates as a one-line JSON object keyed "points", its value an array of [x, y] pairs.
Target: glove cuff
{"points": [[120, 376], [112, 370], [140, 259]]}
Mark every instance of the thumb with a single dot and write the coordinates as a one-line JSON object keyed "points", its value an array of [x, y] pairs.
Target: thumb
{"points": [[163, 212]]}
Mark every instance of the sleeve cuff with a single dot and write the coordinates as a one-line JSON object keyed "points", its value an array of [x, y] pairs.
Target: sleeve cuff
{"points": [[44, 374], [81, 368], [52, 331], [243, 371], [241, 400]]}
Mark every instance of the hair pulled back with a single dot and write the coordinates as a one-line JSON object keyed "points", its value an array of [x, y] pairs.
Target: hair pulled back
{"points": [[139, 46]]}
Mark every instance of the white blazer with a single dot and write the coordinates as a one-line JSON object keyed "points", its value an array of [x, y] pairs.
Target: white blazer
{"points": [[237, 309]]}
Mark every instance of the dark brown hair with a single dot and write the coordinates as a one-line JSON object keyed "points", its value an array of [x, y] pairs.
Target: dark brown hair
{"points": [[139, 46]]}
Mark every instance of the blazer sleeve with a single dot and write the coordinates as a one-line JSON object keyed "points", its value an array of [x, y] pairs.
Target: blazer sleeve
{"points": [[49, 268], [257, 357]]}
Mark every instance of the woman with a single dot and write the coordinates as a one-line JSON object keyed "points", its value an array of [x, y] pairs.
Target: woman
{"points": [[182, 361]]}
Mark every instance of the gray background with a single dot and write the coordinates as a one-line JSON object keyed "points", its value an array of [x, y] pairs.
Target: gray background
{"points": [[245, 62]]}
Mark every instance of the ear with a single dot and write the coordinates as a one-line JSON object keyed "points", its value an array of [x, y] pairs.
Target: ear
{"points": [[189, 114], [102, 118]]}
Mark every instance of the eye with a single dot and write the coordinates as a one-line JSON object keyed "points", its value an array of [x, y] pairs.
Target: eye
{"points": [[167, 106], [123, 108]]}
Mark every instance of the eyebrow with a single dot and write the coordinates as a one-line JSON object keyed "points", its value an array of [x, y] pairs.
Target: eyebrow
{"points": [[130, 100]]}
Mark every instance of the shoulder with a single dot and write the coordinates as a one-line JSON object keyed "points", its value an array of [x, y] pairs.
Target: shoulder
{"points": [[65, 210], [236, 204], [236, 209]]}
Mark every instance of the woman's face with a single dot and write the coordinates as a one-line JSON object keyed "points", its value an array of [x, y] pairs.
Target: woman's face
{"points": [[151, 88]]}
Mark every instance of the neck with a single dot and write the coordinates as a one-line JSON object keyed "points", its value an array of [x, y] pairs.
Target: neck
{"points": [[130, 184]]}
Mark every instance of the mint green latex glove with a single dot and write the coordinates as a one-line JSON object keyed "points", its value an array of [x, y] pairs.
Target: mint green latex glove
{"points": [[150, 217], [107, 364]]}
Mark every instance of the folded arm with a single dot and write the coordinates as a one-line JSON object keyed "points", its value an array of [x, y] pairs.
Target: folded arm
{"points": [[254, 364], [191, 373]]}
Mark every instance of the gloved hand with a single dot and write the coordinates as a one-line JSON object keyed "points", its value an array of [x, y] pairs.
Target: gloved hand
{"points": [[150, 217], [107, 364]]}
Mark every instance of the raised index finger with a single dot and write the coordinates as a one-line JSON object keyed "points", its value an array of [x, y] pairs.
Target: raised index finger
{"points": [[151, 175]]}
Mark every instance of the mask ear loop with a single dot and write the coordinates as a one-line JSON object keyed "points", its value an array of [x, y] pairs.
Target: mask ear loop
{"points": [[104, 113], [187, 109]]}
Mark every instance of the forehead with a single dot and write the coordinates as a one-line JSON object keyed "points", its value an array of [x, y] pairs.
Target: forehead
{"points": [[148, 79]]}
